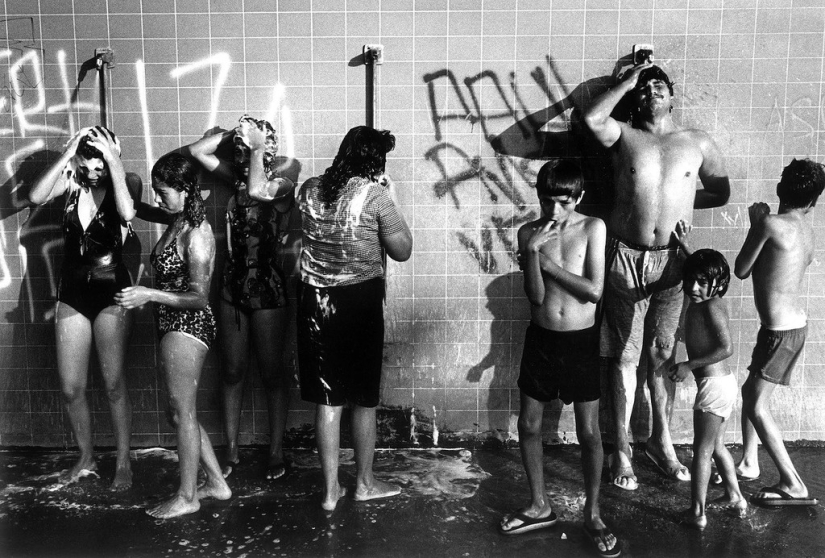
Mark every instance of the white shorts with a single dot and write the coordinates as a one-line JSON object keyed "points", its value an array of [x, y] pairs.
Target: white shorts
{"points": [[716, 395]]}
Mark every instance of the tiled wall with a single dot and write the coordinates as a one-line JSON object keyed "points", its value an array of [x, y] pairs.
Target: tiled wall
{"points": [[477, 92]]}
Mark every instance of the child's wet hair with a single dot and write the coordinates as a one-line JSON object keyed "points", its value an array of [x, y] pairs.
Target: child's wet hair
{"points": [[711, 265], [560, 178], [802, 182]]}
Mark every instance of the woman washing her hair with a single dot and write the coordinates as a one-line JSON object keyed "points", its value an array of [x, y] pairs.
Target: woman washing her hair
{"points": [[99, 205], [349, 220], [183, 260], [253, 304]]}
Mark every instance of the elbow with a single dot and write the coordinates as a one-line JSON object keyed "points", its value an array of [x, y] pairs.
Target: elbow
{"points": [[401, 255], [590, 119], [740, 272]]}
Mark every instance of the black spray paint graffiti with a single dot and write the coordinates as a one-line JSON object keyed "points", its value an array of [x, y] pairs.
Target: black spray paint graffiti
{"points": [[550, 133]]}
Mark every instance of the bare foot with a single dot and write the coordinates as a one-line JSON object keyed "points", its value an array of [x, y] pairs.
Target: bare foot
{"points": [[215, 488], [746, 471], [174, 507], [527, 519], [736, 503], [123, 479], [690, 519], [331, 500], [378, 489], [83, 468]]}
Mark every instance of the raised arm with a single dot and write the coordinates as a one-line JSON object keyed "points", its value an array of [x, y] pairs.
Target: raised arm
{"points": [[109, 147], [590, 285], [204, 151], [52, 182], [712, 174], [199, 253], [260, 186], [597, 116], [754, 242]]}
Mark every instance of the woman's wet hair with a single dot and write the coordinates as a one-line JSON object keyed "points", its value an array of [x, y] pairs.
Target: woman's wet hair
{"points": [[711, 265], [88, 151], [271, 142], [560, 178], [801, 184], [179, 173], [363, 153]]}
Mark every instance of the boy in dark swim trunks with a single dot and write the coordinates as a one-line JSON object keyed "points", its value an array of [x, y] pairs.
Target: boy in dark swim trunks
{"points": [[563, 279], [778, 250]]}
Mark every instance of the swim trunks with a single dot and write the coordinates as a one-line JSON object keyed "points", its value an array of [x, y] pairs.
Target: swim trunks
{"points": [[253, 276], [560, 365], [93, 270], [776, 353], [642, 293], [716, 395], [341, 343], [172, 275]]}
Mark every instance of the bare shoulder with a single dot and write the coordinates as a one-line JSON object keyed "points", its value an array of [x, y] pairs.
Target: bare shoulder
{"points": [[200, 240], [527, 228]]}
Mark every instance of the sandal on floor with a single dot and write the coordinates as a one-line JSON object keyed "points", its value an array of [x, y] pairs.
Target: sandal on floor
{"points": [[596, 536]]}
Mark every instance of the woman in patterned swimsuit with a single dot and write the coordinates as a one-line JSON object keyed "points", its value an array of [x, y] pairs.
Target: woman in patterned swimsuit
{"points": [[99, 205], [183, 260], [253, 314]]}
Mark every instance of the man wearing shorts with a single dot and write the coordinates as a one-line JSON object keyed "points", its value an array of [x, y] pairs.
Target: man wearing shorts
{"points": [[656, 164]]}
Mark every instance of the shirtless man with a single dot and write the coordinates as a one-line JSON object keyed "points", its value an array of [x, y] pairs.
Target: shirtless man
{"points": [[777, 251], [656, 164]]}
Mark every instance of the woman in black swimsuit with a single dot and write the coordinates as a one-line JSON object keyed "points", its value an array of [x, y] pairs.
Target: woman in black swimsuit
{"points": [[99, 205], [183, 260]]}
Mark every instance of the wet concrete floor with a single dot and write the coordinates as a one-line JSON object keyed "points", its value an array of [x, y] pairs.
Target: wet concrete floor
{"points": [[451, 504]]}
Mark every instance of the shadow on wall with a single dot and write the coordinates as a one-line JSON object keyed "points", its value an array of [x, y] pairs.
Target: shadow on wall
{"points": [[504, 357]]}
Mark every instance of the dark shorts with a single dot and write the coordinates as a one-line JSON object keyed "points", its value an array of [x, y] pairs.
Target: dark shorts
{"points": [[560, 365], [341, 343], [776, 353], [90, 289]]}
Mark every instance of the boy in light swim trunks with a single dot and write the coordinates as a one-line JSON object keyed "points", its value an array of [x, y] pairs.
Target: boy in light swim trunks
{"points": [[708, 343], [563, 279], [777, 251]]}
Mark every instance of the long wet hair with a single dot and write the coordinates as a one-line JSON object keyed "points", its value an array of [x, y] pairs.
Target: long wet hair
{"points": [[713, 266], [363, 153], [270, 146], [802, 182], [178, 172]]}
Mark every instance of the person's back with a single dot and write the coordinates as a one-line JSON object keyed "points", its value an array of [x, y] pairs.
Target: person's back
{"points": [[780, 268]]}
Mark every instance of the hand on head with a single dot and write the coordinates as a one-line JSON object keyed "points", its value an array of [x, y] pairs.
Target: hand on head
{"points": [[631, 77], [103, 141], [249, 133]]}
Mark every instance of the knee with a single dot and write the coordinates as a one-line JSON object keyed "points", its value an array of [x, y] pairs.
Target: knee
{"points": [[588, 436], [660, 352], [233, 374], [115, 391], [73, 393], [528, 426]]}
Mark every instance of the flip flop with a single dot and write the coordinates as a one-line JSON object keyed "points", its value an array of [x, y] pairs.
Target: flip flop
{"points": [[784, 499], [598, 535], [528, 523], [671, 468], [622, 472], [743, 478]]}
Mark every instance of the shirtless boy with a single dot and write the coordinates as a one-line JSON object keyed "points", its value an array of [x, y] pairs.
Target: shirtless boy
{"points": [[656, 166], [563, 279], [708, 344], [777, 251]]}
